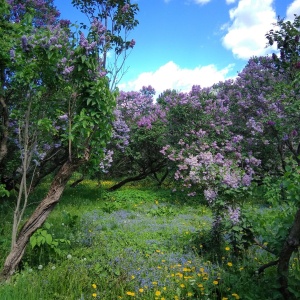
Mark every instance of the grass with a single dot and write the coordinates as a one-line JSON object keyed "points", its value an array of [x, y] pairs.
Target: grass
{"points": [[140, 242]]}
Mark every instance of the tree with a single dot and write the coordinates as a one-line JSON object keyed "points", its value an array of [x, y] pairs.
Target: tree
{"points": [[139, 132], [118, 17], [58, 102]]}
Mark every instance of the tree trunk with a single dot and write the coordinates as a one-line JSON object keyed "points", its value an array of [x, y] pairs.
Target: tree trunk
{"points": [[38, 217], [129, 179], [291, 244], [4, 129]]}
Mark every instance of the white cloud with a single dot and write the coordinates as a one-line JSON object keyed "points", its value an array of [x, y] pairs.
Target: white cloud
{"points": [[171, 76], [201, 1], [230, 1], [250, 21], [293, 8]]}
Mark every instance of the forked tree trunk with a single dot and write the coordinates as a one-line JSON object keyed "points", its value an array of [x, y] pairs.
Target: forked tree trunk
{"points": [[291, 244], [38, 217]]}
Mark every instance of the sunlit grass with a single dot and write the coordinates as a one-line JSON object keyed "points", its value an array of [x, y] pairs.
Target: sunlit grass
{"points": [[136, 243]]}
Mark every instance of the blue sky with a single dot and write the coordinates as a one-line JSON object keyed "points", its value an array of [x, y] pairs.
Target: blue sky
{"points": [[180, 43]]}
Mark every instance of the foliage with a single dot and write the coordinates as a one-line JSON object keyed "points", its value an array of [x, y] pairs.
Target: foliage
{"points": [[130, 251]]}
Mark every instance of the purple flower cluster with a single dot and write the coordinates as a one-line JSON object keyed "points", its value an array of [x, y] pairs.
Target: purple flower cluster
{"points": [[234, 214]]}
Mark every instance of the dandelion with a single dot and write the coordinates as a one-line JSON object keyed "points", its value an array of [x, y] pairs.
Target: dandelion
{"points": [[236, 296], [94, 286], [229, 264], [130, 294], [227, 248], [157, 293], [224, 298], [182, 285], [141, 290], [132, 276], [190, 294], [94, 295], [215, 282]]}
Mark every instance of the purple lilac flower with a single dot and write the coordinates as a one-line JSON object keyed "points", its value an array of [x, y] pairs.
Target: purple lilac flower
{"points": [[234, 214], [210, 195], [12, 54], [63, 117]]}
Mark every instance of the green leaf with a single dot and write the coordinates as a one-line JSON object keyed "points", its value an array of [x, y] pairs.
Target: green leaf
{"points": [[49, 239]]}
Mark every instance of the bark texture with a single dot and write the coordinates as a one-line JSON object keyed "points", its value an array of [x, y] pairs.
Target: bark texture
{"points": [[38, 217], [291, 244]]}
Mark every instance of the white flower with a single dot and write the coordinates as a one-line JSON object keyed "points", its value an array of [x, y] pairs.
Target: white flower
{"points": [[40, 267], [30, 270], [53, 267], [69, 256]]}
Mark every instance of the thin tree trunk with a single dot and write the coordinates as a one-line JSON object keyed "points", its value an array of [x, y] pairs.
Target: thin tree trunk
{"points": [[129, 179], [291, 244], [38, 217], [4, 129]]}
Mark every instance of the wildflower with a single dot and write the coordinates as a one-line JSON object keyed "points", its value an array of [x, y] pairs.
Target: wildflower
{"points": [[215, 282], [94, 286], [190, 294], [132, 276], [164, 288], [182, 285], [141, 290], [94, 295], [130, 294], [229, 264], [157, 293], [224, 298], [69, 256], [154, 282], [236, 296], [227, 248], [40, 267], [53, 268]]}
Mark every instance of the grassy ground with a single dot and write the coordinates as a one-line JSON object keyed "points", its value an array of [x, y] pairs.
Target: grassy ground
{"points": [[140, 242]]}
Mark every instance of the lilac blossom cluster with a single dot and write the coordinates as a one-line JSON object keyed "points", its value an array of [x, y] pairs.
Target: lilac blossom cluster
{"points": [[234, 214], [46, 12], [209, 154]]}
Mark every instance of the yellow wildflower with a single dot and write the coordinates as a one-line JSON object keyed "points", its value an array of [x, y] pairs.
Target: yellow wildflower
{"points": [[94, 295], [182, 285], [236, 296], [229, 264], [227, 248], [190, 294], [154, 282], [94, 286], [157, 293], [141, 290], [130, 294], [215, 282]]}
